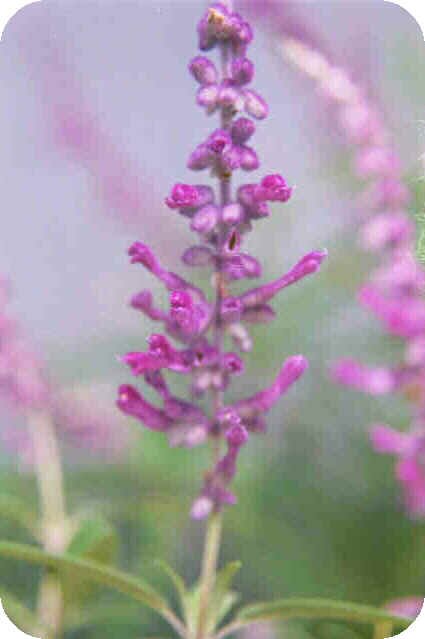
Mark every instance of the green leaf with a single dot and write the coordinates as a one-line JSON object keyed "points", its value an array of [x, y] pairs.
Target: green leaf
{"points": [[318, 609], [225, 577], [323, 629], [191, 609], [223, 600], [92, 570], [177, 582], [228, 601], [95, 539], [103, 613]]}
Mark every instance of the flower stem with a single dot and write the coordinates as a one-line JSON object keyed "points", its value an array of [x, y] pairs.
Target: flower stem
{"points": [[53, 521], [209, 567]]}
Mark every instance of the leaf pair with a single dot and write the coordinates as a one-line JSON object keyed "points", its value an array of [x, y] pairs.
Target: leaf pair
{"points": [[222, 598]]}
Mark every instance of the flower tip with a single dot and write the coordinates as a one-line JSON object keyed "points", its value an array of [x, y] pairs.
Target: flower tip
{"points": [[299, 364], [125, 394], [201, 508], [319, 257], [141, 254]]}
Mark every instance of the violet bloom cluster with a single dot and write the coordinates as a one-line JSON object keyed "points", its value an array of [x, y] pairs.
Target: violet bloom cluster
{"points": [[25, 388], [394, 292], [196, 331]]}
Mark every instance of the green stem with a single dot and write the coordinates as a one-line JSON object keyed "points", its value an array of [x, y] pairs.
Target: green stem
{"points": [[208, 573], [54, 522]]}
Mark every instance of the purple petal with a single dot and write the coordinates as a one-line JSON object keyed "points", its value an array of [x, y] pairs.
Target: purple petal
{"points": [[132, 403]]}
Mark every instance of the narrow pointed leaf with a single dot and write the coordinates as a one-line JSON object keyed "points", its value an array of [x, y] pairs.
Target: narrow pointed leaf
{"points": [[95, 539], [223, 599], [318, 609], [225, 576], [177, 582], [228, 601], [87, 569]]}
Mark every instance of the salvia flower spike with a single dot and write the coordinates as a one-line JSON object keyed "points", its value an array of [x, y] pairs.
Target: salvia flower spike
{"points": [[202, 333], [394, 291]]}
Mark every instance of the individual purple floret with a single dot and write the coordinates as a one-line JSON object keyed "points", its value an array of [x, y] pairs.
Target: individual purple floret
{"points": [[374, 381], [203, 70], [195, 331]]}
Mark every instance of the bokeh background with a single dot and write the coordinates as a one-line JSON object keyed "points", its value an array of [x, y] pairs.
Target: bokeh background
{"points": [[319, 513]]}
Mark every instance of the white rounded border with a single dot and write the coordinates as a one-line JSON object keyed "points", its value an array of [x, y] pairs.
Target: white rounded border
{"points": [[416, 8], [8, 628], [8, 8]]}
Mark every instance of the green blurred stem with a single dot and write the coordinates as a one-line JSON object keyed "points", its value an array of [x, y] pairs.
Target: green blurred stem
{"points": [[383, 630], [209, 568], [53, 518]]}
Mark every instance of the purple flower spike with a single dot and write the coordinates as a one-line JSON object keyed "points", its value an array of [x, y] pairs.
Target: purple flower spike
{"points": [[222, 219], [394, 293]]}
